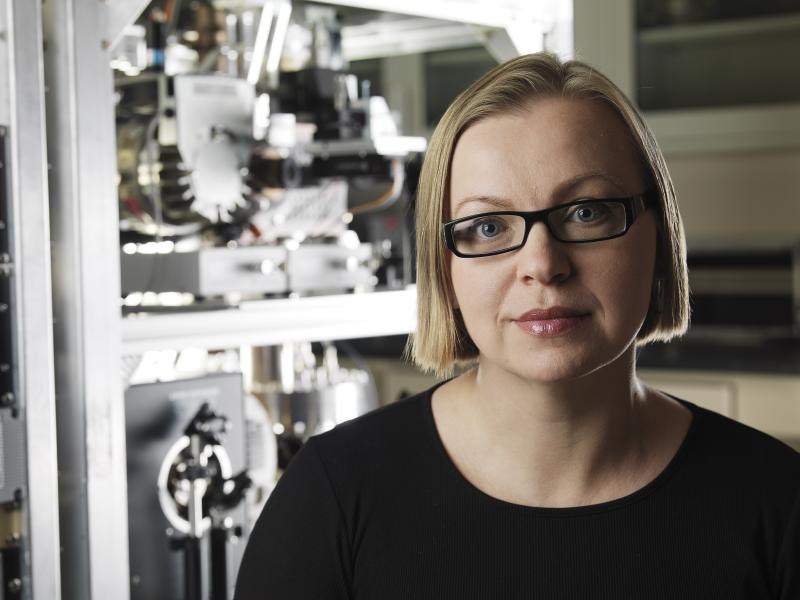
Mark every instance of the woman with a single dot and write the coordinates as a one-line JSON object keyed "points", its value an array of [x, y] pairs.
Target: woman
{"points": [[549, 247]]}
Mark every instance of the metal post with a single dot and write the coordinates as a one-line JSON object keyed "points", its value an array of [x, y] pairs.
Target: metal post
{"points": [[84, 219], [22, 117], [21, 25]]}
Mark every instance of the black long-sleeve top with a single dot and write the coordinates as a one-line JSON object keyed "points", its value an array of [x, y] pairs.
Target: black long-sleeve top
{"points": [[375, 509]]}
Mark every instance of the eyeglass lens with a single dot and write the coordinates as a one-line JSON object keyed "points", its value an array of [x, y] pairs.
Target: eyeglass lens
{"points": [[584, 222]]}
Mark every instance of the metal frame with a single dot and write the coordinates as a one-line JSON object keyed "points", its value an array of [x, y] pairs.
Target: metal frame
{"points": [[84, 218], [520, 26], [494, 14], [33, 310], [116, 16], [409, 35], [5, 72], [272, 322]]}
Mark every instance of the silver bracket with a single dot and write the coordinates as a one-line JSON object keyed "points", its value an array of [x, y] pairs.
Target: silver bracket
{"points": [[6, 266], [118, 15]]}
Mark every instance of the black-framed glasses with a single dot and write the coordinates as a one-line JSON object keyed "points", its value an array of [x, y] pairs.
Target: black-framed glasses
{"points": [[579, 222]]}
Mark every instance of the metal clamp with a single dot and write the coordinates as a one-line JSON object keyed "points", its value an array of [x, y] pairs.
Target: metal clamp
{"points": [[8, 400], [6, 266]]}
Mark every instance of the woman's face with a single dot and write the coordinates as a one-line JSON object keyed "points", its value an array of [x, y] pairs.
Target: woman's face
{"points": [[557, 151]]}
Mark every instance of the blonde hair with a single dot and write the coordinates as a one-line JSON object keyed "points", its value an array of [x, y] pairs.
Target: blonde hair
{"points": [[442, 340]]}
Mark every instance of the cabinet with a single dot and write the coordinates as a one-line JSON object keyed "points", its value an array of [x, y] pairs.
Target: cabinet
{"points": [[765, 401], [770, 403], [710, 76]]}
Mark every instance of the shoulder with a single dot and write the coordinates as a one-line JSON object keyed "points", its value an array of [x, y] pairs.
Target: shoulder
{"points": [[390, 420], [384, 438], [737, 452]]}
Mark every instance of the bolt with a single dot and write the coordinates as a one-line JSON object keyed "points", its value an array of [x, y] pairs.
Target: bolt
{"points": [[5, 257], [7, 400], [5, 368], [15, 585], [3, 307]]}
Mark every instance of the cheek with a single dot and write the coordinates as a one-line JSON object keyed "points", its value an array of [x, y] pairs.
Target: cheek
{"points": [[625, 281], [460, 275], [475, 287]]}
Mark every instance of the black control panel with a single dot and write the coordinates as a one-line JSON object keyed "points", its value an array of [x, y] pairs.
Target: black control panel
{"points": [[6, 338]]}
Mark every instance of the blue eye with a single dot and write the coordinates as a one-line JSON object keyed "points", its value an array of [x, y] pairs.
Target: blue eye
{"points": [[590, 213], [488, 229]]}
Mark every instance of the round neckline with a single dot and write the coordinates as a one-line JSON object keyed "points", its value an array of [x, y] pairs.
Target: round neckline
{"points": [[567, 511]]}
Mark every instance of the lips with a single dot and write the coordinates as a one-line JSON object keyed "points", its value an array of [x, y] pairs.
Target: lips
{"points": [[551, 321], [554, 312]]}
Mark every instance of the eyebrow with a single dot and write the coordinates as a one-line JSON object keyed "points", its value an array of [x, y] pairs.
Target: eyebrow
{"points": [[561, 190]]}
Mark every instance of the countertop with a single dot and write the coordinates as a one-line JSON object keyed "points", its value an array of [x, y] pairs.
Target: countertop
{"points": [[744, 353]]}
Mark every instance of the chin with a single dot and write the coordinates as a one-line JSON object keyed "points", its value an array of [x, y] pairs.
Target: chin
{"points": [[554, 372], [546, 366], [556, 362]]}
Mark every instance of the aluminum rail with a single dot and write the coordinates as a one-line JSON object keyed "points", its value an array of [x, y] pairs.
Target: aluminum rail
{"points": [[84, 220], [272, 322], [22, 117]]}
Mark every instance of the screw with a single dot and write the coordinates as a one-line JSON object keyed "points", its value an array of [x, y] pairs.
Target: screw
{"points": [[7, 400], [3, 307], [15, 585], [5, 368]]}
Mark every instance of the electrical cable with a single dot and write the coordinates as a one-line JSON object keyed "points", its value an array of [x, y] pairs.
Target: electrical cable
{"points": [[388, 197]]}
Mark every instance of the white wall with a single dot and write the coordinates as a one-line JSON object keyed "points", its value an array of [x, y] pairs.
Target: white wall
{"points": [[739, 196]]}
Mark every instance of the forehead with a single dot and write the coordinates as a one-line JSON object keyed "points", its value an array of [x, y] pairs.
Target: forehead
{"points": [[527, 156]]}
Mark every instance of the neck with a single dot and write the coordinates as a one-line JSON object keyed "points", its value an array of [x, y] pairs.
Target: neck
{"points": [[570, 442]]}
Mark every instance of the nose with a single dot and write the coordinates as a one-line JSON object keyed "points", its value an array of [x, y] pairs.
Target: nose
{"points": [[543, 258]]}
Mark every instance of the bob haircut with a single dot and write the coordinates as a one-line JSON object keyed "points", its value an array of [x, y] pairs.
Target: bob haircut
{"points": [[442, 340]]}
